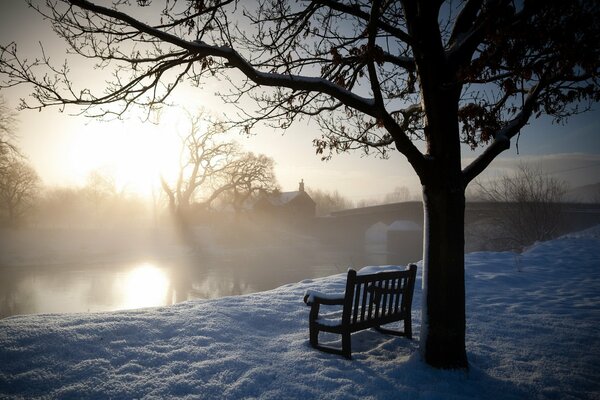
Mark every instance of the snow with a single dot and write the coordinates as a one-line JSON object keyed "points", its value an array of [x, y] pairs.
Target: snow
{"points": [[533, 333], [424, 268], [309, 296]]}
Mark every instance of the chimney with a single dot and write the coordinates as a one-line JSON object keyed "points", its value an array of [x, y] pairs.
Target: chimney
{"points": [[301, 185]]}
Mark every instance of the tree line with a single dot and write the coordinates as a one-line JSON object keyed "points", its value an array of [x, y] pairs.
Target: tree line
{"points": [[216, 174], [19, 182], [213, 174]]}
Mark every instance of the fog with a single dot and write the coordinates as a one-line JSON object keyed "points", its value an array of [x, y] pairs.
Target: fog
{"points": [[93, 249], [82, 253]]}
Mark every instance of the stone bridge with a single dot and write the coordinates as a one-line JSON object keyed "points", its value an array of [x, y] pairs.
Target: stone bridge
{"points": [[397, 228]]}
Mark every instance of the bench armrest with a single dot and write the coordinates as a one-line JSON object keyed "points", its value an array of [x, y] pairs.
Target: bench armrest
{"points": [[313, 296]]}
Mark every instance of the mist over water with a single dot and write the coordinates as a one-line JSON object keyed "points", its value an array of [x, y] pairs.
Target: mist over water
{"points": [[70, 271]]}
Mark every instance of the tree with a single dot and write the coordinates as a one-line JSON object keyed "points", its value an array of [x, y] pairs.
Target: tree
{"points": [[7, 126], [328, 202], [376, 75], [529, 205], [100, 185], [370, 202], [8, 149], [63, 207], [400, 193], [97, 204], [100, 188], [19, 184], [247, 176], [210, 168], [18, 180], [203, 157]]}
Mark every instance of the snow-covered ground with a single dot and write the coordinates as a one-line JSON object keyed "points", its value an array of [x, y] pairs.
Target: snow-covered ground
{"points": [[533, 333]]}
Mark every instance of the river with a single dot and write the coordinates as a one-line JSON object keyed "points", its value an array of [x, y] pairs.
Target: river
{"points": [[150, 282]]}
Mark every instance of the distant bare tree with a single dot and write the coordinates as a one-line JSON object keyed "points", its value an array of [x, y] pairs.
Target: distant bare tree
{"points": [[108, 206], [95, 205], [328, 202], [18, 180], [247, 176], [62, 207], [100, 184], [99, 189], [211, 168], [8, 123], [202, 158], [370, 202], [400, 193], [529, 206], [8, 149], [19, 184]]}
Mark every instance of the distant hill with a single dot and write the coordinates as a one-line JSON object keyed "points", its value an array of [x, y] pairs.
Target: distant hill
{"points": [[585, 194]]}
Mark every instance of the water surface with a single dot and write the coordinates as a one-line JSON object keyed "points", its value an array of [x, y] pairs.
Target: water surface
{"points": [[158, 282]]}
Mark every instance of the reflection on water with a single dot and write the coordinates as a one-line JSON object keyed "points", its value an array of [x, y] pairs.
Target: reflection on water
{"points": [[144, 286], [149, 283]]}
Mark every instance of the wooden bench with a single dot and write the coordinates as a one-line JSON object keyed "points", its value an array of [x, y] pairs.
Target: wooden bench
{"points": [[369, 301]]}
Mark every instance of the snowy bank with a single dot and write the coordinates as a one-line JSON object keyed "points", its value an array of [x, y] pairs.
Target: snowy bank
{"points": [[533, 333]]}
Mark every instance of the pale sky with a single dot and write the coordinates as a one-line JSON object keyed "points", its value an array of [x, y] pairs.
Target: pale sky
{"points": [[64, 148]]}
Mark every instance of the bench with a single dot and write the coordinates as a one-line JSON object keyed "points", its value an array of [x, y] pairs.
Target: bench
{"points": [[369, 301]]}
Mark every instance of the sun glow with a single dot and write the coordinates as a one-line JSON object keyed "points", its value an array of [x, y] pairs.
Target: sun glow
{"points": [[145, 286], [133, 153]]}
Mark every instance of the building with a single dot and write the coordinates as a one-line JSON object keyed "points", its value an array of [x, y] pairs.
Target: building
{"points": [[287, 206]]}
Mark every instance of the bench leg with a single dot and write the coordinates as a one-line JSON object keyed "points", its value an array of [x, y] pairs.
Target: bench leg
{"points": [[314, 336], [346, 345], [408, 327], [345, 351]]}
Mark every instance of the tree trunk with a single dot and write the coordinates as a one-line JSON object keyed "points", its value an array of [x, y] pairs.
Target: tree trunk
{"points": [[443, 327], [12, 217]]}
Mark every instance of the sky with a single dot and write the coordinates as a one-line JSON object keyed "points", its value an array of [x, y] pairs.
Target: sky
{"points": [[64, 148]]}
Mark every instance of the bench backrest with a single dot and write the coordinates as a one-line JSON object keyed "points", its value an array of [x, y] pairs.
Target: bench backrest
{"points": [[378, 299]]}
